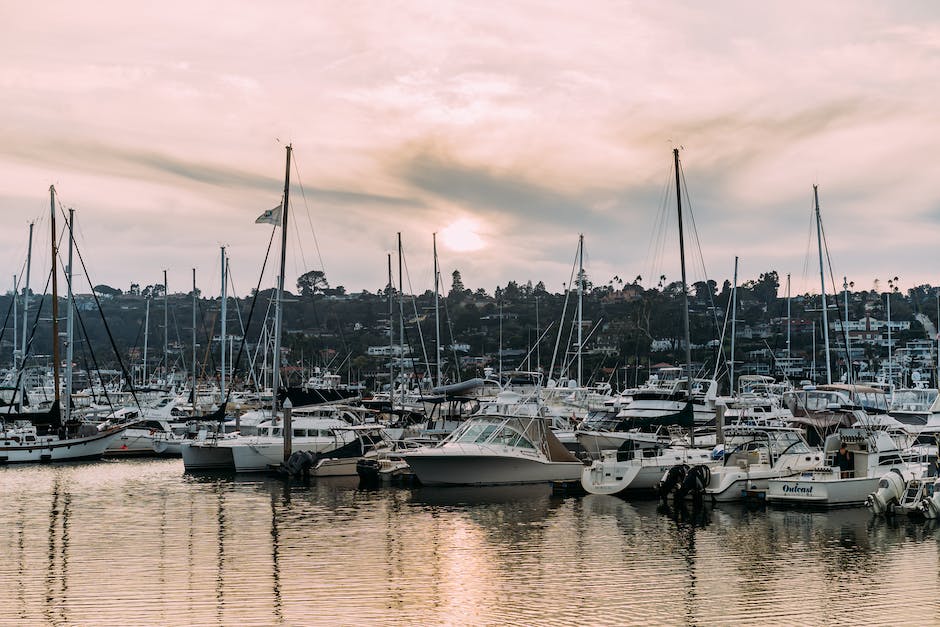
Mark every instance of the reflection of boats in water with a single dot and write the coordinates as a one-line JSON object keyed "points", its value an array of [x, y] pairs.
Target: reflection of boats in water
{"points": [[470, 496]]}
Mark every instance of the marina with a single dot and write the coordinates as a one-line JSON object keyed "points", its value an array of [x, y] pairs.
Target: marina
{"points": [[469, 313], [140, 541]]}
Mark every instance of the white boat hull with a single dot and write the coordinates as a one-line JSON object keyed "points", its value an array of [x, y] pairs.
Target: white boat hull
{"points": [[608, 476], [825, 493], [434, 469], [332, 467], [135, 442], [55, 450], [207, 455]]}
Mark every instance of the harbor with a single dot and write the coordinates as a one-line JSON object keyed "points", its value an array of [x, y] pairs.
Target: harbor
{"points": [[445, 313], [140, 541]]}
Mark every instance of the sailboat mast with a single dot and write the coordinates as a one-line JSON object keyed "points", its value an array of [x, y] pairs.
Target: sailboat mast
{"points": [[685, 291], [166, 332], [223, 339], [279, 304], [500, 353], [391, 337], [890, 343], [143, 378], [848, 347], [401, 313], [822, 281], [55, 296], [437, 313], [580, 301], [29, 261], [734, 315], [69, 323], [194, 342], [788, 322], [16, 335]]}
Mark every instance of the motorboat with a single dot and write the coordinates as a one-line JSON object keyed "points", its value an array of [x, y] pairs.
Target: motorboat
{"points": [[638, 467], [495, 450], [256, 453], [873, 453], [751, 457]]}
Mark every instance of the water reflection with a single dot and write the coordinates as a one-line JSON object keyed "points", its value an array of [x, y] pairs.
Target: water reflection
{"points": [[115, 543]]}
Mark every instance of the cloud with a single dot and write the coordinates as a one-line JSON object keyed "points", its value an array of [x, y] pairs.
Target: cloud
{"points": [[538, 120]]}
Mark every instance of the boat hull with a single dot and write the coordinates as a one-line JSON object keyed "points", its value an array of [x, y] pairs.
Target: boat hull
{"points": [[607, 476], [54, 450], [207, 456], [137, 443], [450, 469], [821, 493]]}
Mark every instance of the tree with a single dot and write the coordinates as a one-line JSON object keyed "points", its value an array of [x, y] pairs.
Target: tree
{"points": [[456, 286], [134, 289], [106, 290], [309, 283]]}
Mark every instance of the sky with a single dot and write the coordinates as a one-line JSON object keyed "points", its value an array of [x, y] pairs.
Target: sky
{"points": [[508, 128]]}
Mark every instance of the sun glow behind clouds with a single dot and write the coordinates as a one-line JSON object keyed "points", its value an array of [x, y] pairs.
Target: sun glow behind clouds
{"points": [[462, 236]]}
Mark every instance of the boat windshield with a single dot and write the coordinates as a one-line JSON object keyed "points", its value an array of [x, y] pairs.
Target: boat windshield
{"points": [[777, 442], [502, 431], [913, 400]]}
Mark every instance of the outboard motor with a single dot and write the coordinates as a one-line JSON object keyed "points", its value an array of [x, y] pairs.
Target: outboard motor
{"points": [[300, 463], [696, 479], [672, 480], [930, 506], [890, 488]]}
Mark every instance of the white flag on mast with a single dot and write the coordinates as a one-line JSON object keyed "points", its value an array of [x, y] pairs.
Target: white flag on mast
{"points": [[271, 216]]}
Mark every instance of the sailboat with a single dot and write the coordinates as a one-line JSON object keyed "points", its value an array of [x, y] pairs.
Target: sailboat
{"points": [[639, 460], [319, 430], [45, 436]]}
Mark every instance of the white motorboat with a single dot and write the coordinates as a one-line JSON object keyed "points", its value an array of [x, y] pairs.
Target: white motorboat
{"points": [[873, 453], [495, 450], [752, 457], [370, 442], [260, 452], [140, 437], [638, 467]]}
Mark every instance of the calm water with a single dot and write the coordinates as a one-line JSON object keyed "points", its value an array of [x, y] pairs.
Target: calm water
{"points": [[140, 542]]}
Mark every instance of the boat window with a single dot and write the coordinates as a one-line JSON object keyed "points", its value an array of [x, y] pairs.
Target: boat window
{"points": [[511, 437], [300, 433], [470, 435], [486, 433], [276, 431]]}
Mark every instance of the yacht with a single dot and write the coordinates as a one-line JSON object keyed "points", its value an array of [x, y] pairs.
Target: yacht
{"points": [[638, 467], [318, 429], [751, 457], [663, 402], [495, 450], [873, 454], [22, 441]]}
